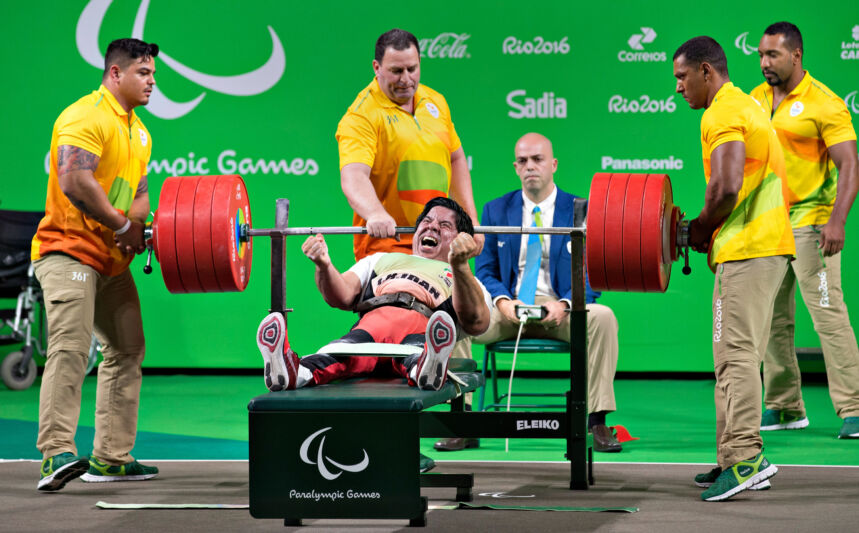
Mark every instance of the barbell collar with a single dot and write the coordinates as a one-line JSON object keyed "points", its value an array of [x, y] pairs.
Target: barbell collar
{"points": [[360, 230]]}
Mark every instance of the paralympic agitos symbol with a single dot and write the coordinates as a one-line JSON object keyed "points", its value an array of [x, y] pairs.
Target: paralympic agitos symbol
{"points": [[247, 84], [321, 458]]}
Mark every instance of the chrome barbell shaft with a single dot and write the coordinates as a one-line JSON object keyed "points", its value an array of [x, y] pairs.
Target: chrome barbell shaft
{"points": [[360, 230]]}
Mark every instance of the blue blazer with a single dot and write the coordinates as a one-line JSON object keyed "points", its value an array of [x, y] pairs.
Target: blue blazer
{"points": [[498, 264]]}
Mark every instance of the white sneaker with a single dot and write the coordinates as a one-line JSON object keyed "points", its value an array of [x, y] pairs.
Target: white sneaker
{"points": [[281, 363], [432, 364]]}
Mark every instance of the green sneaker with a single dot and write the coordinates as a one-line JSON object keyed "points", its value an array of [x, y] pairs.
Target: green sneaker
{"points": [[773, 420], [706, 479], [58, 470], [850, 428], [740, 477], [426, 463], [100, 472]]}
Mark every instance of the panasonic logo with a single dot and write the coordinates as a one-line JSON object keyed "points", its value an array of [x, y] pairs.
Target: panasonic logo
{"points": [[547, 106], [670, 163], [537, 424]]}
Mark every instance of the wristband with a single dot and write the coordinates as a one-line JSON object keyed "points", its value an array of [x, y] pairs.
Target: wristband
{"points": [[124, 227]]}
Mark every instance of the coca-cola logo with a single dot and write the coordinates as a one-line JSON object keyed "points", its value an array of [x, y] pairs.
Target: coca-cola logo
{"points": [[447, 44]]}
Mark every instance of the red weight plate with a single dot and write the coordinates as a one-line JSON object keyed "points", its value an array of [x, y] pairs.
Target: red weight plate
{"points": [[230, 209], [672, 238], [657, 202], [164, 235], [203, 234], [632, 233], [185, 234], [595, 238], [614, 214]]}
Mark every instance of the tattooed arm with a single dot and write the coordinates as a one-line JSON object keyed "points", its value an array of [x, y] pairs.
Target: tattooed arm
{"points": [[77, 181], [139, 210]]}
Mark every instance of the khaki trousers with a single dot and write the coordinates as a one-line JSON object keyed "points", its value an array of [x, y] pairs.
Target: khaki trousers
{"points": [[602, 347], [79, 302], [820, 286], [743, 296]]}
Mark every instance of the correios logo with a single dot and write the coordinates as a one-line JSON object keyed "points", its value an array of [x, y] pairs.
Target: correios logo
{"points": [[851, 102], [850, 50], [636, 42], [546, 106], [247, 84], [447, 44], [642, 104], [538, 45], [741, 42], [321, 459]]}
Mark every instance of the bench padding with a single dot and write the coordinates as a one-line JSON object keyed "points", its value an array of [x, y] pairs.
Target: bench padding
{"points": [[363, 394]]}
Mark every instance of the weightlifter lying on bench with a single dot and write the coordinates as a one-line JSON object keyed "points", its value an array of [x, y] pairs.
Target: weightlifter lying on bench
{"points": [[419, 300]]}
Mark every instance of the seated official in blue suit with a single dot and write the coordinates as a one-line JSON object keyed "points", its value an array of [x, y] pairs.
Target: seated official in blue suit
{"points": [[503, 267]]}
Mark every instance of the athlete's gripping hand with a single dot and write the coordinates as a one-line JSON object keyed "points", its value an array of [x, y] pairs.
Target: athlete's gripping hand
{"points": [[316, 249], [462, 248]]}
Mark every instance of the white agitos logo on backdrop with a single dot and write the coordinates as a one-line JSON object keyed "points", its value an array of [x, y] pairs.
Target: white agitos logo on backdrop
{"points": [[321, 458], [851, 102], [247, 84], [740, 42]]}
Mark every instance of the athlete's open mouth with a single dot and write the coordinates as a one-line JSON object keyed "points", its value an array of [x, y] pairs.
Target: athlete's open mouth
{"points": [[429, 240]]}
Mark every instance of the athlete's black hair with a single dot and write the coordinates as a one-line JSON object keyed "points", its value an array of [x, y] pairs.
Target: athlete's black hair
{"points": [[463, 221]]}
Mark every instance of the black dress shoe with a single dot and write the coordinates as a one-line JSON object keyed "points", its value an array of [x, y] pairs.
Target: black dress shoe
{"points": [[456, 444], [604, 440]]}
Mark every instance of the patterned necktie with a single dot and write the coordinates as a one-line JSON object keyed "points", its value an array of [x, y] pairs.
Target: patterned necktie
{"points": [[533, 255]]}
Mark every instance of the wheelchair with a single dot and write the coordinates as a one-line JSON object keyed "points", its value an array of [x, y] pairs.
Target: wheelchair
{"points": [[25, 323]]}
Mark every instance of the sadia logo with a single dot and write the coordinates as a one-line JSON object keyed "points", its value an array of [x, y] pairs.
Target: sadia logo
{"points": [[850, 100], [741, 43], [637, 42], [547, 106], [642, 104], [247, 84], [851, 50], [538, 45], [446, 44], [322, 459]]}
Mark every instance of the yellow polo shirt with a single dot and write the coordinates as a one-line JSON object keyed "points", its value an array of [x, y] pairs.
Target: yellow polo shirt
{"points": [[808, 121], [409, 156], [759, 225], [99, 125]]}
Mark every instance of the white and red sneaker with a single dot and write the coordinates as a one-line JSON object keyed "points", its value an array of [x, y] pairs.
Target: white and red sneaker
{"points": [[281, 363], [432, 364]]}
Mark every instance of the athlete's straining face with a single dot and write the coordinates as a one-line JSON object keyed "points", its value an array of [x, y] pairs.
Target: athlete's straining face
{"points": [[399, 73], [778, 62], [435, 233]]}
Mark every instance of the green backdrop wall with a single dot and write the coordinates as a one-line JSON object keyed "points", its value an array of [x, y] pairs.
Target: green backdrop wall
{"points": [[598, 77]]}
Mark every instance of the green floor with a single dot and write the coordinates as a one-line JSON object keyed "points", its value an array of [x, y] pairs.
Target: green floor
{"points": [[205, 417]]}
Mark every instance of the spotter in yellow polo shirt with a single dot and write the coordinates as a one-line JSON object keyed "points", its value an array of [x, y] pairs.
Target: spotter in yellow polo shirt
{"points": [[808, 121], [759, 225], [408, 156]]}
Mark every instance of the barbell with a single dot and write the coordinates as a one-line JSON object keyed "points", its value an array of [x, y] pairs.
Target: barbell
{"points": [[201, 233]]}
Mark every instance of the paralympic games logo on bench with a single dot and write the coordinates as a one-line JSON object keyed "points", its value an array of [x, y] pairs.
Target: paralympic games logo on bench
{"points": [[322, 459]]}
